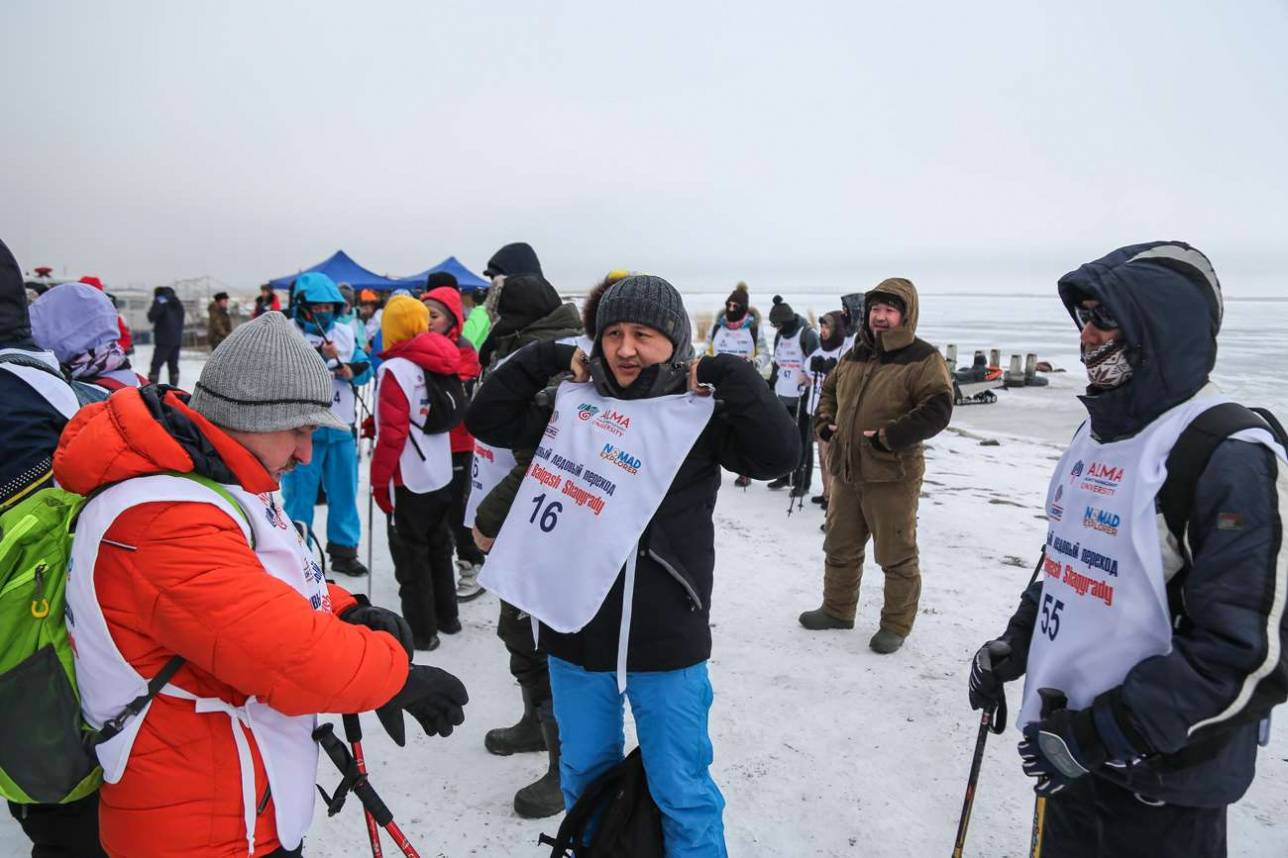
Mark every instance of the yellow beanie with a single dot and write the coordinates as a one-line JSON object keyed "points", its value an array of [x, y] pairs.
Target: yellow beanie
{"points": [[403, 319]]}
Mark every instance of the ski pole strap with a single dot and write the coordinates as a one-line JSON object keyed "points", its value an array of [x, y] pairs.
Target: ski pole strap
{"points": [[114, 726], [997, 717]]}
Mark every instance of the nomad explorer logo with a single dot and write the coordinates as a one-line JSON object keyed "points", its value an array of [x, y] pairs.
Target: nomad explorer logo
{"points": [[622, 459], [1101, 520]]}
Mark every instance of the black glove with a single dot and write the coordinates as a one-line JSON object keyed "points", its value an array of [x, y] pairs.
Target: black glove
{"points": [[1061, 748], [433, 697], [381, 620], [825, 432], [818, 363], [993, 665]]}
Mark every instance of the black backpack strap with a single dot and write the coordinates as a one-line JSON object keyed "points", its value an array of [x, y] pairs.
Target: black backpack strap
{"points": [[135, 706], [1190, 455], [572, 831]]}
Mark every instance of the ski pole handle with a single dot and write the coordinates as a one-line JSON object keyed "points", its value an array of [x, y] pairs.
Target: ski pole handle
{"points": [[1052, 700]]}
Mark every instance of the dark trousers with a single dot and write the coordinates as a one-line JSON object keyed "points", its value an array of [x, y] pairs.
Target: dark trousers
{"points": [[527, 664], [466, 550], [61, 830], [803, 475], [168, 355], [1094, 818], [422, 554]]}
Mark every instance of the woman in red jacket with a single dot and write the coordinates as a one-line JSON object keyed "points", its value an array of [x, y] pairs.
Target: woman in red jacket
{"points": [[411, 469], [447, 317]]}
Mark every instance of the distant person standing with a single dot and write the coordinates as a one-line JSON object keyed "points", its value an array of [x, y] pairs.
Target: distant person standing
{"points": [[166, 316], [266, 300], [369, 313], [887, 395], [736, 332], [793, 341], [477, 321], [832, 338], [219, 324]]}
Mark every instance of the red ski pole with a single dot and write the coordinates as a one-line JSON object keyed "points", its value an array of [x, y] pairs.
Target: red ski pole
{"points": [[353, 732], [356, 781]]}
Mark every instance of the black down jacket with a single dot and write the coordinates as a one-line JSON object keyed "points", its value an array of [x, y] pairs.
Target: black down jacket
{"points": [[166, 316], [750, 433]]}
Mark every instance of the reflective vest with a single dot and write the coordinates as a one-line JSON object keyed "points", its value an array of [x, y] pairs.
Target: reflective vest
{"points": [[108, 682]]}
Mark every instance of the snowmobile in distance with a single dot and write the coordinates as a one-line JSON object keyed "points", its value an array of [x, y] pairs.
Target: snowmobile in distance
{"points": [[974, 385]]}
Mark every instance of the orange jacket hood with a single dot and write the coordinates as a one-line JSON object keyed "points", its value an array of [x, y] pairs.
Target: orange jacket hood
{"points": [[145, 431]]}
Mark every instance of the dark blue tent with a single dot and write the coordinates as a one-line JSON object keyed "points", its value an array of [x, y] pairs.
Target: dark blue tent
{"points": [[465, 278], [341, 268]]}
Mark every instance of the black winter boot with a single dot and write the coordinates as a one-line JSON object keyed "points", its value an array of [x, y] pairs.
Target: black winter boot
{"points": [[344, 559], [523, 737], [543, 797]]}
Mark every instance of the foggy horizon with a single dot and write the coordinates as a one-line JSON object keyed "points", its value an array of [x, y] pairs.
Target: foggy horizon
{"points": [[801, 151]]}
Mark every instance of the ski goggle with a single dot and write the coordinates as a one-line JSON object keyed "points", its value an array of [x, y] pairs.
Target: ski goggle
{"points": [[1098, 316]]}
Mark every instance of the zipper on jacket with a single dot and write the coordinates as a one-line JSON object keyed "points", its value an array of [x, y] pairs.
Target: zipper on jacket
{"points": [[684, 582], [39, 604], [18, 581]]}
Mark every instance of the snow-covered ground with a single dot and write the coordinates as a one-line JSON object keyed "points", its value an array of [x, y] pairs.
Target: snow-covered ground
{"points": [[822, 748]]}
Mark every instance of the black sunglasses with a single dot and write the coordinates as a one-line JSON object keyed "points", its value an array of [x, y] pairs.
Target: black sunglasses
{"points": [[1098, 316]]}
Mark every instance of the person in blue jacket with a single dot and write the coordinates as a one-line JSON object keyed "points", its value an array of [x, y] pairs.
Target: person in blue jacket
{"points": [[317, 303], [1166, 648]]}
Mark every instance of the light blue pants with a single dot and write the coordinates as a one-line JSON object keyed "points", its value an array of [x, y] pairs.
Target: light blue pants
{"points": [[670, 709], [335, 467]]}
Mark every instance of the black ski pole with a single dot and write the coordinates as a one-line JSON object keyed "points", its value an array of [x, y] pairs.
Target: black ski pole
{"points": [[355, 781], [987, 722], [1052, 699]]}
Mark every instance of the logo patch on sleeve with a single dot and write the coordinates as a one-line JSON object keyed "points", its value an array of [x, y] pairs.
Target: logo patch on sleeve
{"points": [[1229, 521]]}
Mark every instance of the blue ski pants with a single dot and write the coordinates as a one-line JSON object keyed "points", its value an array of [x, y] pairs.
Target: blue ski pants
{"points": [[670, 709], [334, 466]]}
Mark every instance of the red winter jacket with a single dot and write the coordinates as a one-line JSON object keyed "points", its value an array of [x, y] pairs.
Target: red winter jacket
{"points": [[462, 440], [180, 578], [429, 351]]}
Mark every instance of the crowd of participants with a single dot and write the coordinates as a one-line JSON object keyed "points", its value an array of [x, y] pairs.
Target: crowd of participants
{"points": [[205, 631]]}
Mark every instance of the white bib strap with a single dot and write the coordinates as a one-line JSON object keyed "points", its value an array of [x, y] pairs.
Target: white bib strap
{"points": [[239, 719], [624, 634]]}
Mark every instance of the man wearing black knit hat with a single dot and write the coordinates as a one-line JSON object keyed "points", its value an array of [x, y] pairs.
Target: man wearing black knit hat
{"points": [[633, 446]]}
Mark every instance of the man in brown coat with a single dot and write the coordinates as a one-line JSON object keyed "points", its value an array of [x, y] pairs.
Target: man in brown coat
{"points": [[888, 394], [220, 324]]}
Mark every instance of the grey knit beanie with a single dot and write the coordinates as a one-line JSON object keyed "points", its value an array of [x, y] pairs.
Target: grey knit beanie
{"points": [[265, 377], [647, 300]]}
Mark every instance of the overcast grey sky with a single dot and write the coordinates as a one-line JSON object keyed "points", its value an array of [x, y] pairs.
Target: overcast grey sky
{"points": [[793, 145]]}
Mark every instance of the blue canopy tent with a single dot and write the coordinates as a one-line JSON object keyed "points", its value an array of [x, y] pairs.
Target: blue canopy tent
{"points": [[465, 278], [341, 268]]}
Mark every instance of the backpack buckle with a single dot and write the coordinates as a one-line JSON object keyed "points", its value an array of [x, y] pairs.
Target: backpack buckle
{"points": [[40, 608]]}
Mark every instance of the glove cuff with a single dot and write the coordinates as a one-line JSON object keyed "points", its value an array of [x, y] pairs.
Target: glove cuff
{"points": [[362, 602], [1116, 728]]}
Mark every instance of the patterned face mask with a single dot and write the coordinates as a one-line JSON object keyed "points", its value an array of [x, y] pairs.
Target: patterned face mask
{"points": [[97, 361], [1107, 365]]}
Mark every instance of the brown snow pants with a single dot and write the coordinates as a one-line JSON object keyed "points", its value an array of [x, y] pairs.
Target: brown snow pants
{"points": [[886, 512]]}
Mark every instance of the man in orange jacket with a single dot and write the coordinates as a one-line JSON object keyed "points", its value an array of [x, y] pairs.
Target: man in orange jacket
{"points": [[183, 550]]}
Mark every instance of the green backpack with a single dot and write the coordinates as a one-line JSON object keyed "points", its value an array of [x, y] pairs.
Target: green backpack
{"points": [[46, 747]]}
